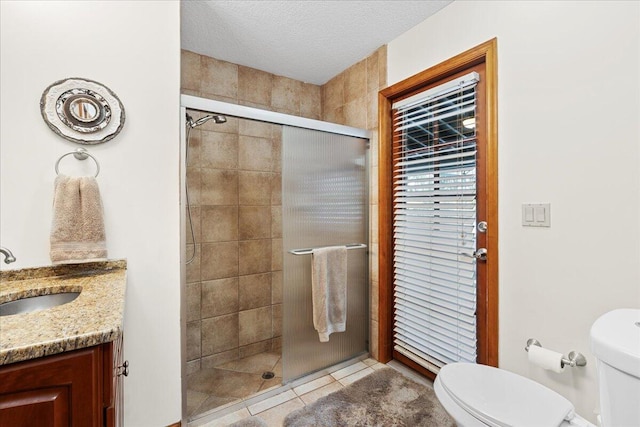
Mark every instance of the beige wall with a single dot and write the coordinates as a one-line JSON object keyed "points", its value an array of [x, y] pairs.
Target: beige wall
{"points": [[351, 98]]}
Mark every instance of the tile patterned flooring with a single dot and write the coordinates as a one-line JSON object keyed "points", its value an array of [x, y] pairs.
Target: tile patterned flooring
{"points": [[208, 389], [273, 409]]}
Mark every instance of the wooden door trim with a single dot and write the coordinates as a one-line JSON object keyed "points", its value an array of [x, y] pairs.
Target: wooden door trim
{"points": [[484, 53]]}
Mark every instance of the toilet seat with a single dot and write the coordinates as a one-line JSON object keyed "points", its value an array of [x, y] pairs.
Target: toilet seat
{"points": [[500, 398]]}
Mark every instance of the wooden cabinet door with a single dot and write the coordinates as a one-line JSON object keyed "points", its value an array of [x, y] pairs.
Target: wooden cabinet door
{"points": [[47, 407], [60, 390]]}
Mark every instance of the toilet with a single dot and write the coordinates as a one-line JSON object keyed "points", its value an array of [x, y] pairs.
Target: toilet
{"points": [[615, 342], [479, 395]]}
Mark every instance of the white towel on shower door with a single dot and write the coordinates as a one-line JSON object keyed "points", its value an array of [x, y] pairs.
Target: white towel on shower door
{"points": [[329, 290]]}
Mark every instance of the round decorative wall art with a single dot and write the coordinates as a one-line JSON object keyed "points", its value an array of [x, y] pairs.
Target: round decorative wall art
{"points": [[82, 111]]}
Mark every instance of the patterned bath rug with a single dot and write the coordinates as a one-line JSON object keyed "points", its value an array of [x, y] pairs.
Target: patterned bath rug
{"points": [[384, 398], [250, 422]]}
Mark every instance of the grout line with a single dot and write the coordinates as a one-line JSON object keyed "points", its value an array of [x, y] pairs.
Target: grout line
{"points": [[348, 370], [272, 402], [350, 379], [276, 364], [303, 389]]}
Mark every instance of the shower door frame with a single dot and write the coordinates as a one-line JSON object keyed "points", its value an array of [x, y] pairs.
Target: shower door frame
{"points": [[240, 111]]}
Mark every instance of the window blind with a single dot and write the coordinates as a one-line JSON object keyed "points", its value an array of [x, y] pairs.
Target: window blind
{"points": [[434, 224]]}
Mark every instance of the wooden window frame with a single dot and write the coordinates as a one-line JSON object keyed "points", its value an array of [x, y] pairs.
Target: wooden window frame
{"points": [[488, 325]]}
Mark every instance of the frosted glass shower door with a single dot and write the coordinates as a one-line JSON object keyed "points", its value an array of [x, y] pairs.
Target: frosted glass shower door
{"points": [[324, 203]]}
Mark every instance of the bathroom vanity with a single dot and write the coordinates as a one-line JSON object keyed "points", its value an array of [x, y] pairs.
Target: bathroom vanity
{"points": [[62, 365]]}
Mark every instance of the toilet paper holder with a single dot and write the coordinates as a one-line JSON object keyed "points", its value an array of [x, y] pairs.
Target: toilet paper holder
{"points": [[573, 359]]}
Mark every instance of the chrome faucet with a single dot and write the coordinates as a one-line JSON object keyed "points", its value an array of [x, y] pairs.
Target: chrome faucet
{"points": [[8, 256]]}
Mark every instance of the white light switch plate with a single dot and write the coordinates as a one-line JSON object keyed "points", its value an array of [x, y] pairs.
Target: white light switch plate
{"points": [[536, 215]]}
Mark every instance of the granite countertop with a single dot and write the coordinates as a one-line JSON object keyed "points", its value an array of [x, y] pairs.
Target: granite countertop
{"points": [[95, 317]]}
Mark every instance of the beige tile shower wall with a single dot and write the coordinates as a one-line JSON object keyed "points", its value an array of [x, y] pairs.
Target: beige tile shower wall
{"points": [[223, 81], [351, 98], [234, 285]]}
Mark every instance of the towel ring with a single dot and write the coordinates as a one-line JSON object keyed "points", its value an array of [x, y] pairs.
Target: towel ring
{"points": [[80, 154]]}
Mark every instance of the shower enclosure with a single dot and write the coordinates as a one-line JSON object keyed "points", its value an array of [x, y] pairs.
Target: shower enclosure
{"points": [[263, 188]]}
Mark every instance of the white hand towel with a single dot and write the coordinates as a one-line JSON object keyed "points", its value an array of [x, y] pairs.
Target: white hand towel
{"points": [[77, 231], [329, 290]]}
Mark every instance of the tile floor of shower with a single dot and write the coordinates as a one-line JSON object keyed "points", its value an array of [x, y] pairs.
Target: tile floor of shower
{"points": [[273, 406], [228, 383]]}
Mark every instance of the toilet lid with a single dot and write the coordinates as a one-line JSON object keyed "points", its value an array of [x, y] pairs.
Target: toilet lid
{"points": [[500, 398]]}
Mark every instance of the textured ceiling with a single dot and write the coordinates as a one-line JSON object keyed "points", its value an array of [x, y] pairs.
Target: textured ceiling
{"points": [[311, 41]]}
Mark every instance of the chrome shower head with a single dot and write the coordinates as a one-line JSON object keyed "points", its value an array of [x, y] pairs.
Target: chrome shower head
{"points": [[217, 118]]}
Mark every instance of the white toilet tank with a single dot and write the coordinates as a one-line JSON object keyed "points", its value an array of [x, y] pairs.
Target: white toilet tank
{"points": [[615, 341]]}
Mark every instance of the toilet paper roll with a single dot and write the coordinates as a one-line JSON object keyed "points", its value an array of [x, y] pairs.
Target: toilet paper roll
{"points": [[546, 359]]}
